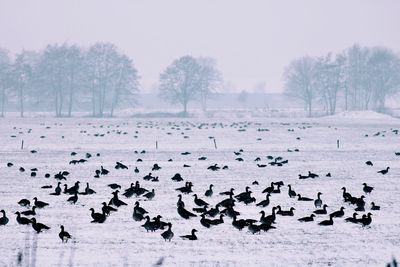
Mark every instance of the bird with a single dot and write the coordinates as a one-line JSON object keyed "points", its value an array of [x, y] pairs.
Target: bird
{"points": [[321, 211], [39, 204], [367, 189], [199, 202], [318, 201], [374, 207], [191, 236], [73, 199], [150, 195], [114, 186], [239, 224], [229, 193], [307, 218], [185, 213], [88, 190], [38, 227], [24, 202], [285, 212], [338, 213], [3, 220], [300, 198], [352, 219], [217, 221], [253, 228], [205, 222], [168, 235], [57, 190], [209, 192], [265, 202], [64, 236], [139, 209], [369, 163], [22, 220], [107, 209], [97, 217], [327, 222], [385, 171], [345, 194], [366, 219], [291, 192], [116, 201], [29, 212]]}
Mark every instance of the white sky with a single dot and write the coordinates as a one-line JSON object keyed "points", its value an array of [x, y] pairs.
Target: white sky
{"points": [[252, 40]]}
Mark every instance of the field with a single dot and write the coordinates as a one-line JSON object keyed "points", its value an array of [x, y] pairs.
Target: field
{"points": [[121, 241]]}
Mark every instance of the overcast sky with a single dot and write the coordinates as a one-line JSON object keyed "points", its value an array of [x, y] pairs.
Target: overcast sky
{"points": [[251, 40]]}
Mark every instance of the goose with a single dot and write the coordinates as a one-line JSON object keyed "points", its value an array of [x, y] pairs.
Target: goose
{"points": [[149, 225], [177, 177], [367, 189], [366, 219], [253, 228], [209, 192], [106, 209], [239, 224], [168, 235], [369, 163], [385, 171], [72, 190], [24, 202], [73, 199], [321, 211], [345, 194], [307, 218], [64, 236], [327, 222], [244, 194], [22, 220], [39, 204], [291, 192], [3, 220], [265, 202], [137, 216], [268, 219], [318, 201], [300, 198], [139, 209], [185, 213], [229, 193], [38, 227], [312, 175], [88, 190], [199, 202], [150, 195], [103, 171], [114, 186], [269, 189], [230, 212], [227, 202], [191, 236], [200, 210], [159, 224], [47, 187], [186, 189], [97, 217], [29, 212], [217, 221], [338, 213], [180, 201], [205, 222], [116, 201], [266, 227], [277, 190], [352, 219], [374, 207], [57, 190], [285, 212]]}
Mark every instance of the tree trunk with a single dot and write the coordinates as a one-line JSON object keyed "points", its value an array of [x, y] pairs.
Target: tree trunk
{"points": [[93, 101], [21, 100], [71, 96], [185, 108]]}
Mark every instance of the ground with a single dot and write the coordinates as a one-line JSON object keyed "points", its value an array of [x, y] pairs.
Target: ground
{"points": [[120, 241]]}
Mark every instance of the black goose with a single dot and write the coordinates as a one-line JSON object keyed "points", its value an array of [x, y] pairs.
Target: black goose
{"points": [[186, 189], [321, 211], [73, 199], [318, 201], [265, 202], [160, 224], [268, 219], [239, 224], [374, 207], [114, 186], [24, 202], [103, 171], [277, 190], [137, 216], [200, 210], [338, 214], [199, 202], [213, 211], [253, 228], [139, 209], [185, 213], [244, 195], [106, 209], [327, 222], [190, 237], [291, 192], [150, 195], [39, 204], [3, 220], [168, 235], [177, 177], [227, 202], [57, 190], [367, 189], [366, 219], [369, 163], [205, 222], [345, 194], [88, 190], [285, 212], [352, 219], [217, 221], [209, 192], [130, 191], [300, 198], [269, 189], [38, 227], [29, 212], [229, 193], [97, 217], [230, 212], [64, 236], [180, 201], [149, 225], [74, 189], [115, 201], [22, 220], [385, 171], [307, 218], [312, 175]]}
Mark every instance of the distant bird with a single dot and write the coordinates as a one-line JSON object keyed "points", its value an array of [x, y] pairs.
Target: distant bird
{"points": [[57, 190], [209, 192], [285, 212], [29, 212], [150, 195], [374, 207], [190, 237], [265, 202], [366, 219], [229, 193], [106, 209], [199, 202], [185, 213], [64, 236], [39, 204], [321, 211], [352, 219], [307, 219], [38, 227], [168, 235], [385, 171], [24, 202], [367, 189], [3, 220], [114, 186], [116, 201], [73, 199], [300, 198], [369, 163], [97, 217], [22, 220], [291, 192], [327, 222], [338, 213]]}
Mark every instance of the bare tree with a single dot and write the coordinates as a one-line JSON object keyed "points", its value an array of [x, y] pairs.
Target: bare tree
{"points": [[5, 75], [210, 79], [299, 79]]}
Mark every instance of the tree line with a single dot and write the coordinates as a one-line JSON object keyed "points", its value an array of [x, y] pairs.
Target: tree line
{"points": [[100, 78], [362, 78]]}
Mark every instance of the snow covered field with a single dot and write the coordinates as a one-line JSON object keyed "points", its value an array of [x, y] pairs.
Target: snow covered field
{"points": [[120, 241]]}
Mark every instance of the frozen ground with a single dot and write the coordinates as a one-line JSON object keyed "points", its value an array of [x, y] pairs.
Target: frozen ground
{"points": [[122, 242]]}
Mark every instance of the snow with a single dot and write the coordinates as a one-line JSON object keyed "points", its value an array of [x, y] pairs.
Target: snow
{"points": [[120, 241]]}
